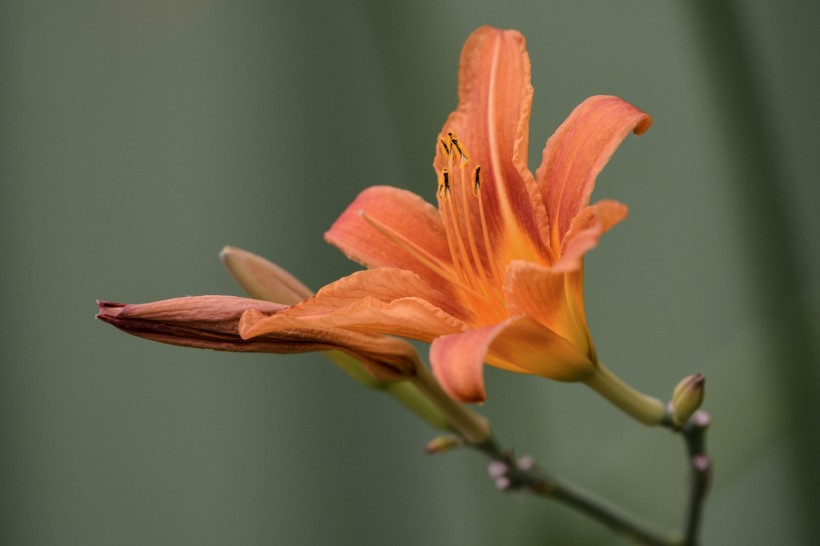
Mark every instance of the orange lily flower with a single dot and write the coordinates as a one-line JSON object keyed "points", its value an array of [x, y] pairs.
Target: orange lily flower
{"points": [[495, 273]]}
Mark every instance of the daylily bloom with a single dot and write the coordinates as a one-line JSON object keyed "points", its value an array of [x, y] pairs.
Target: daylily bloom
{"points": [[495, 273]]}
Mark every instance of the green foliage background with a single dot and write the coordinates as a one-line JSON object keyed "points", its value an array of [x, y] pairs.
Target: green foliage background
{"points": [[138, 138]]}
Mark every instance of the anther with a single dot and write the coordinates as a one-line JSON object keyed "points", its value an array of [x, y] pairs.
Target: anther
{"points": [[454, 143], [446, 147], [476, 180], [444, 185]]}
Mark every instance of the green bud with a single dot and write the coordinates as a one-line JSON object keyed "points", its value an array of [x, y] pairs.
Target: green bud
{"points": [[262, 279], [687, 398], [443, 444]]}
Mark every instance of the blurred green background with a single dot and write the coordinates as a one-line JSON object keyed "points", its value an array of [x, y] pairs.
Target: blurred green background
{"points": [[138, 138]]}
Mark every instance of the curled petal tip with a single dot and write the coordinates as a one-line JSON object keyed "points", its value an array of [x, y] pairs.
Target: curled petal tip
{"points": [[643, 125]]}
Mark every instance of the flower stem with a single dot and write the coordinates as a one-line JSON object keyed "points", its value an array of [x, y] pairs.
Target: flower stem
{"points": [[524, 475], [473, 427], [700, 474], [646, 409]]}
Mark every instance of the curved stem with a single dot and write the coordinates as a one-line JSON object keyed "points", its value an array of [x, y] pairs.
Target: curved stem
{"points": [[646, 409], [471, 426]]}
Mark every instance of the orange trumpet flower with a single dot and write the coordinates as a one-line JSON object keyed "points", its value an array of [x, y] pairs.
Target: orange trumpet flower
{"points": [[495, 273]]}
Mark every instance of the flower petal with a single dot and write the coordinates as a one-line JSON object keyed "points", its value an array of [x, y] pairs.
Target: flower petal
{"points": [[518, 344], [412, 318], [389, 227], [585, 231], [458, 362], [578, 151], [550, 297], [529, 345], [386, 358], [492, 124], [384, 284]]}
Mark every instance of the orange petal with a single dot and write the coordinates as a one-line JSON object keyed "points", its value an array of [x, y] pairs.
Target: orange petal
{"points": [[548, 296], [518, 344], [492, 124], [407, 317], [410, 234], [536, 349], [384, 284], [458, 362], [578, 151], [386, 358], [585, 231]]}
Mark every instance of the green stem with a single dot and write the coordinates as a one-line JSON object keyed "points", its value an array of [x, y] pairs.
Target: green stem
{"points": [[700, 474], [404, 392], [473, 427], [646, 409], [536, 480]]}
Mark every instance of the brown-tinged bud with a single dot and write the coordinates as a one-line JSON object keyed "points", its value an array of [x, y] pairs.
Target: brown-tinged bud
{"points": [[687, 398], [205, 322], [263, 279], [214, 322]]}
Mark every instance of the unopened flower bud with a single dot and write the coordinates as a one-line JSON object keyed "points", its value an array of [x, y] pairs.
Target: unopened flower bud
{"points": [[443, 444], [687, 398], [263, 279]]}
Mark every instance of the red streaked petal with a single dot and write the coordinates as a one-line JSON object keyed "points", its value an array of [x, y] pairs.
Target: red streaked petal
{"points": [[410, 219], [492, 124], [383, 284], [577, 152], [585, 231]]}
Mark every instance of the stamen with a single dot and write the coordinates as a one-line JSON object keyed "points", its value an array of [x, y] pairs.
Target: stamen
{"points": [[448, 151], [454, 144], [476, 180], [414, 250], [484, 229], [444, 185], [478, 265]]}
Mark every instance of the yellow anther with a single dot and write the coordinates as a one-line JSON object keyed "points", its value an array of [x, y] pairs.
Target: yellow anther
{"points": [[476, 180], [456, 145], [448, 151], [444, 184]]}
